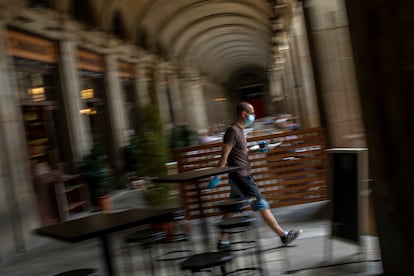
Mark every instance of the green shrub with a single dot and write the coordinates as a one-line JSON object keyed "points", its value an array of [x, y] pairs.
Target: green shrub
{"points": [[97, 172]]}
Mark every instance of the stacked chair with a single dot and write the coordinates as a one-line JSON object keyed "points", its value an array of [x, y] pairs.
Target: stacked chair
{"points": [[243, 236], [206, 261], [147, 239], [243, 256], [79, 272], [177, 245], [161, 245]]}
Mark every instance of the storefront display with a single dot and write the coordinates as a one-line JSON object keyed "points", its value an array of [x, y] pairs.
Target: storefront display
{"points": [[38, 86], [37, 77]]}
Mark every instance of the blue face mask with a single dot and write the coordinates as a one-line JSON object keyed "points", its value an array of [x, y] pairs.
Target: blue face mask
{"points": [[250, 119]]}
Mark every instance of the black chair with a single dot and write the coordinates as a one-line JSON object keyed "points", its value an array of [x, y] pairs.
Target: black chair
{"points": [[146, 238], [79, 272], [242, 244], [206, 261], [177, 244]]}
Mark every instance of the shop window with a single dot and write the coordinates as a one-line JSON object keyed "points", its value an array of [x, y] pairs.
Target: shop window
{"points": [[36, 84], [93, 97], [35, 80]]}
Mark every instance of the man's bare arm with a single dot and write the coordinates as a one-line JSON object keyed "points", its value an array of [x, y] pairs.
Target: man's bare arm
{"points": [[225, 151]]}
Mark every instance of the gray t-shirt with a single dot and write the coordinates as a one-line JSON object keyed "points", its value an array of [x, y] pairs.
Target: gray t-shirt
{"points": [[234, 137]]}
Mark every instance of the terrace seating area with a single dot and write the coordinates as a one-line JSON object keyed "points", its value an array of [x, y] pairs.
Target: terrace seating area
{"points": [[313, 253]]}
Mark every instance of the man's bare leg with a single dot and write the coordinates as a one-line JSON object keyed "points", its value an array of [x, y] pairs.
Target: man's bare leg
{"points": [[285, 237], [270, 219], [267, 216]]}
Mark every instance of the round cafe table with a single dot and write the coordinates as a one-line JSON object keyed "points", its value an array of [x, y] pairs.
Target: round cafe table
{"points": [[194, 176]]}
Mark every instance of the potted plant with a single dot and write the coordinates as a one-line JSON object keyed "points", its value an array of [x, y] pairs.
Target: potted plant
{"points": [[154, 156], [98, 174], [154, 151], [131, 153], [182, 136]]}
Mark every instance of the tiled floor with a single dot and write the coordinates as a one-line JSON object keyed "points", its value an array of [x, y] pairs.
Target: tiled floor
{"points": [[314, 253]]}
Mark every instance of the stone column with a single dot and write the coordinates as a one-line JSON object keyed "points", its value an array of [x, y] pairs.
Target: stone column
{"points": [[333, 56], [305, 83], [219, 106], [162, 95], [382, 42], [139, 84], [276, 92], [292, 84], [117, 113], [193, 102], [141, 81], [18, 207], [116, 102], [79, 128], [176, 100]]}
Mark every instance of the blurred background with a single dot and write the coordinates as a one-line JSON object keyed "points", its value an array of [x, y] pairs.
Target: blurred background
{"points": [[102, 92]]}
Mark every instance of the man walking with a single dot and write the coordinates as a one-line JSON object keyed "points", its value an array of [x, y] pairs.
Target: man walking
{"points": [[234, 152]]}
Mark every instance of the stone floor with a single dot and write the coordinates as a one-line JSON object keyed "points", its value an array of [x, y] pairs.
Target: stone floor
{"points": [[313, 253]]}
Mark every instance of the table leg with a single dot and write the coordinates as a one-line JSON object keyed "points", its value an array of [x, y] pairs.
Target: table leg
{"points": [[107, 254], [203, 220]]}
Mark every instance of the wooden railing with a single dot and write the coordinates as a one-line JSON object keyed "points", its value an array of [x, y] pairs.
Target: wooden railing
{"points": [[293, 173]]}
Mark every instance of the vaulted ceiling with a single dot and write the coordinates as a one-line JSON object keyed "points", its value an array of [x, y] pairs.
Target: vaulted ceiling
{"points": [[216, 37]]}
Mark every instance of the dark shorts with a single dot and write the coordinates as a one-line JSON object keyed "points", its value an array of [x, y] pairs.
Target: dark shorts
{"points": [[244, 187]]}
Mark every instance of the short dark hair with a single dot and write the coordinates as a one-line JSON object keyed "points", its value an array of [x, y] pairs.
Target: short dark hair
{"points": [[242, 106]]}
